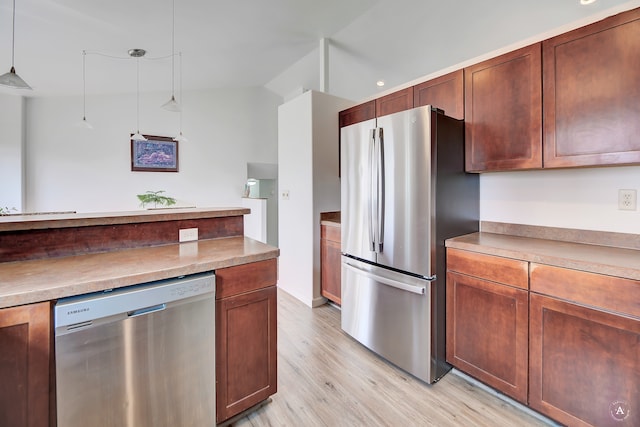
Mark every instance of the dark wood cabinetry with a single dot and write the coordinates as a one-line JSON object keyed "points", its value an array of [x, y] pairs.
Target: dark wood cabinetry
{"points": [[584, 347], [503, 112], [25, 355], [592, 94], [394, 102], [330, 262], [246, 336], [358, 113], [444, 92], [487, 319]]}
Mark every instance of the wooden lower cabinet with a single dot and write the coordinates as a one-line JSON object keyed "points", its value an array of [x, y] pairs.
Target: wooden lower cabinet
{"points": [[584, 364], [487, 321], [246, 336], [584, 348], [330, 263], [25, 350]]}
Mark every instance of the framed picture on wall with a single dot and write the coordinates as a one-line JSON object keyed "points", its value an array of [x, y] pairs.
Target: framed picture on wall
{"points": [[156, 154]]}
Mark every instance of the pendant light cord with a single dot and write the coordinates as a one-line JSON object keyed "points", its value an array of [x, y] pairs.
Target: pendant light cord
{"points": [[84, 86], [13, 35], [138, 95], [173, 46]]}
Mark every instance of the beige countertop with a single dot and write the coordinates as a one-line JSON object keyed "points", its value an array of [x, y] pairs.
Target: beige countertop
{"points": [[25, 282], [62, 220], [612, 261]]}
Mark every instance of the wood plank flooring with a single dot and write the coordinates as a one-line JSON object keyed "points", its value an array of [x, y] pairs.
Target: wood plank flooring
{"points": [[325, 378]]}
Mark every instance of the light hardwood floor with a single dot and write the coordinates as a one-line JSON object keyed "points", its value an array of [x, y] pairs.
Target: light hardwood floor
{"points": [[325, 378]]}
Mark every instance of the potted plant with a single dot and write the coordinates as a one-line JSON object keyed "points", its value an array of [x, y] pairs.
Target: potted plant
{"points": [[156, 198]]}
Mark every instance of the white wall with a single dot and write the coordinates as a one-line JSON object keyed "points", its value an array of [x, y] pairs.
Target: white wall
{"points": [[570, 198], [308, 172], [70, 168], [11, 152]]}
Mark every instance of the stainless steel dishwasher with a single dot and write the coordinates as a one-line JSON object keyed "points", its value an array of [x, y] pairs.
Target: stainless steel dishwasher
{"points": [[138, 356]]}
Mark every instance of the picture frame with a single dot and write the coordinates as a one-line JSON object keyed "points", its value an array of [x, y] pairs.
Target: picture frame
{"points": [[156, 154]]}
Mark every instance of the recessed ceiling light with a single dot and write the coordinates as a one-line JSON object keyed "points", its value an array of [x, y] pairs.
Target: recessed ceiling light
{"points": [[380, 83], [587, 1]]}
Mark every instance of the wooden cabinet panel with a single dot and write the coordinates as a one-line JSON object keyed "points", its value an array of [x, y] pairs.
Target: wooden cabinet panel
{"points": [[246, 352], [330, 263], [246, 277], [357, 114], [503, 112], [444, 92], [583, 364], [394, 102], [596, 290], [487, 332], [592, 94], [24, 365], [497, 269]]}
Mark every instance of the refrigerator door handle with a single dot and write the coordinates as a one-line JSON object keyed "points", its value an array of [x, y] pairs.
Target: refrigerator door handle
{"points": [[372, 198], [420, 290], [381, 191]]}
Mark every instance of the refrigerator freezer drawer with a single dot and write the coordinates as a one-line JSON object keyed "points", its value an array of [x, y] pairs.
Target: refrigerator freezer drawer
{"points": [[389, 313]]}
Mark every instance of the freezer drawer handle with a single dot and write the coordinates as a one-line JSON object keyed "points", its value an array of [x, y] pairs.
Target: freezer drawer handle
{"points": [[147, 310], [420, 290]]}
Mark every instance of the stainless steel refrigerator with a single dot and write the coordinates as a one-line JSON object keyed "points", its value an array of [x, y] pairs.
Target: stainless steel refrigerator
{"points": [[403, 192]]}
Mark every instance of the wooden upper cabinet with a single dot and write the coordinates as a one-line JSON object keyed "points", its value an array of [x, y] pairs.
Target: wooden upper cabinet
{"points": [[444, 92], [394, 102], [591, 89], [357, 113], [503, 112]]}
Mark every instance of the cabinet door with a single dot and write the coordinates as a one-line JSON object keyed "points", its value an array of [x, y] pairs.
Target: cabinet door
{"points": [[394, 102], [503, 112], [24, 365], [330, 263], [444, 92], [592, 94], [487, 328], [246, 352], [584, 364]]}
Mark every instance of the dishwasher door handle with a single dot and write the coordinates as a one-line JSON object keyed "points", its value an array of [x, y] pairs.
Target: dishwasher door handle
{"points": [[147, 310]]}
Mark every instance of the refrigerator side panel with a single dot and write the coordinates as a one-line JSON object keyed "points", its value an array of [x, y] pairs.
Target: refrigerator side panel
{"points": [[355, 186], [407, 176]]}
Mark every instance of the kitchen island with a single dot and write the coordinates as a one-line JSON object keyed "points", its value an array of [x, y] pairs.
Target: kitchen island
{"points": [[47, 257]]}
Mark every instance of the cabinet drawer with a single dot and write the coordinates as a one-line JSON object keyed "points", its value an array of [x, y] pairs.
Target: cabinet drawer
{"points": [[497, 269], [246, 277], [596, 290], [330, 232]]}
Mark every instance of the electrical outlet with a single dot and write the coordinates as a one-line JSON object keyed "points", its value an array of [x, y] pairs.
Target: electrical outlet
{"points": [[188, 234], [627, 200], [285, 195]]}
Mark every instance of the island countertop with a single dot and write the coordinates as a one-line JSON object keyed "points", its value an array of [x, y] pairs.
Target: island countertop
{"points": [[66, 220], [24, 282]]}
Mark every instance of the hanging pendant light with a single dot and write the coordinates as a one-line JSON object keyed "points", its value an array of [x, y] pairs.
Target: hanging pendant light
{"points": [[137, 53], [172, 104], [84, 123], [180, 137], [11, 79]]}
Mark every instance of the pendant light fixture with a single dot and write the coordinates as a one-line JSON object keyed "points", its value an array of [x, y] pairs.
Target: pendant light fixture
{"points": [[11, 79], [84, 123], [172, 104], [137, 53], [180, 137]]}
